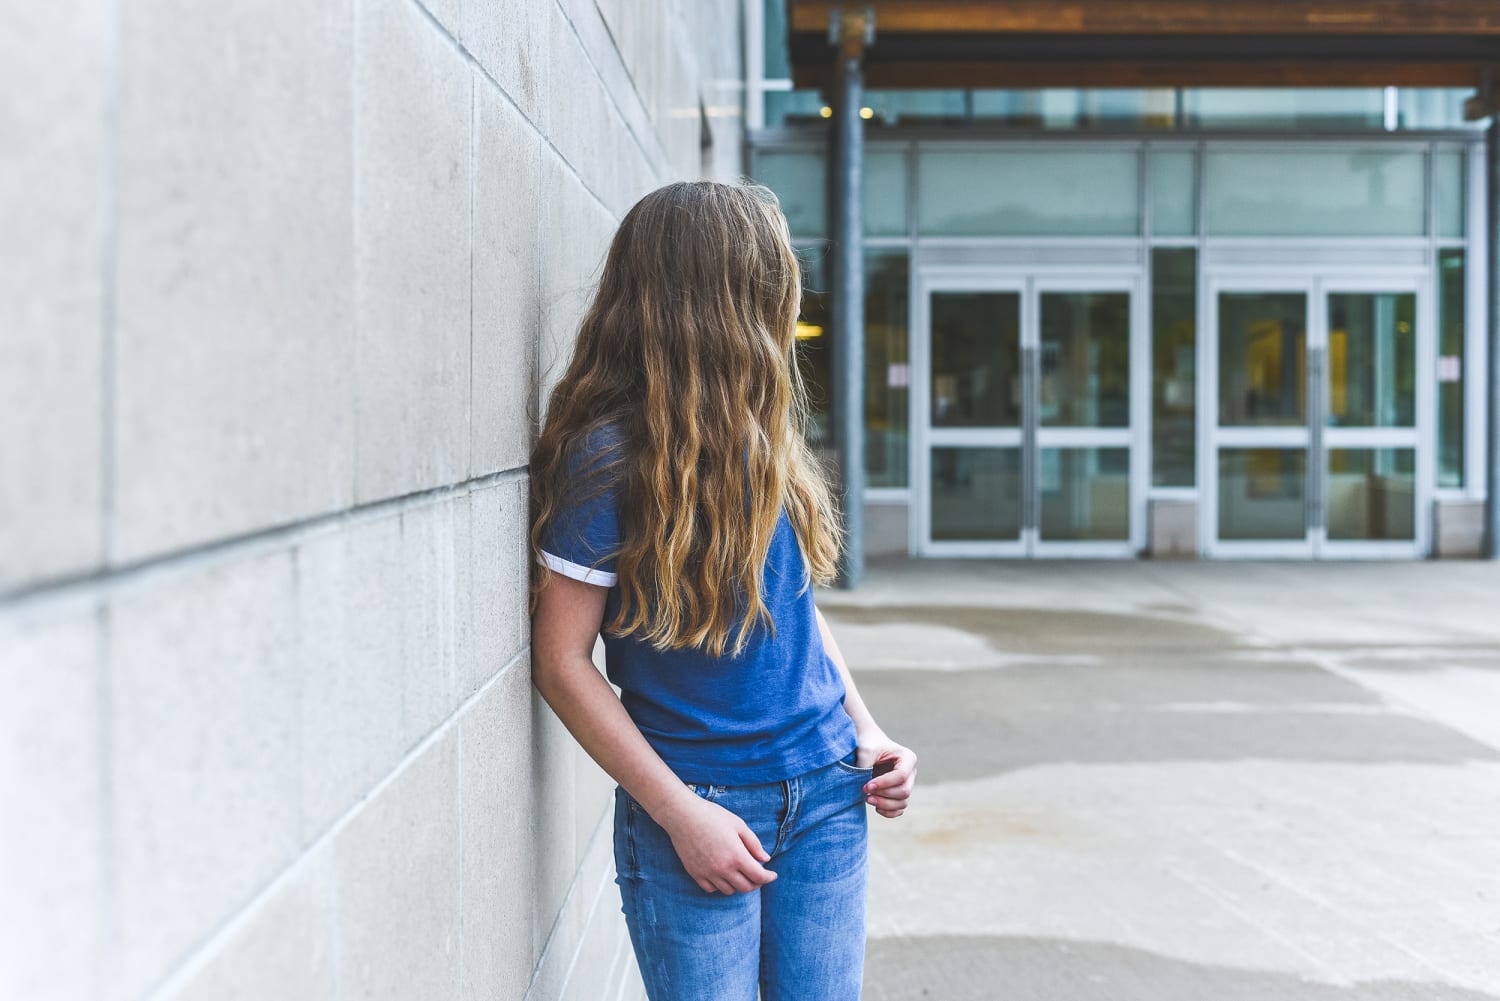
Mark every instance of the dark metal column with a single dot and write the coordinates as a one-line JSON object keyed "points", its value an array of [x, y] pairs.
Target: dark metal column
{"points": [[1492, 328], [851, 30]]}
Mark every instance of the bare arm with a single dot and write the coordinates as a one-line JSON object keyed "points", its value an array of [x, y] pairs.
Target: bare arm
{"points": [[888, 793], [715, 846]]}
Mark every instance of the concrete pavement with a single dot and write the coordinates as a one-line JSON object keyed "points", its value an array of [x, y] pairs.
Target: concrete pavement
{"points": [[1185, 780]]}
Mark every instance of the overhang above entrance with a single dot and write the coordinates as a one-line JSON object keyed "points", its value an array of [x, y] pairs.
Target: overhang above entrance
{"points": [[1157, 43]]}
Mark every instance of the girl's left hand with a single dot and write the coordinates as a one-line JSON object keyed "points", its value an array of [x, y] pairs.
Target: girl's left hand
{"points": [[887, 793]]}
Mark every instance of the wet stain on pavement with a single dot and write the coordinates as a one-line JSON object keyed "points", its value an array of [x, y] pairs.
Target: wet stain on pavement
{"points": [[1006, 968], [1049, 631], [969, 724]]}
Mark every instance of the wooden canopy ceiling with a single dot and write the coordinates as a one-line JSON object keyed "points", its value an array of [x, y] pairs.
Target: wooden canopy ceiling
{"points": [[1157, 43]]}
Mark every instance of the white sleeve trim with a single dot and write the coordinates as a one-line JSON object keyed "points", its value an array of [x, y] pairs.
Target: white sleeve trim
{"points": [[589, 575]]}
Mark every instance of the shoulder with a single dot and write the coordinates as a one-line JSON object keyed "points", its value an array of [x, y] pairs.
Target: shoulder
{"points": [[597, 451]]}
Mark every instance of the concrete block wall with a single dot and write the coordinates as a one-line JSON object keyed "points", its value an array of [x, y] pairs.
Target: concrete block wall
{"points": [[283, 284]]}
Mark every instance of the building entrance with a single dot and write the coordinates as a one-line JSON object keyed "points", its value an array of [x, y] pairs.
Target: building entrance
{"points": [[1317, 416], [1027, 406]]}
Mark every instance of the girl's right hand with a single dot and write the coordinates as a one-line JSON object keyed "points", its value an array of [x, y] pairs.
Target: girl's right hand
{"points": [[718, 849]]}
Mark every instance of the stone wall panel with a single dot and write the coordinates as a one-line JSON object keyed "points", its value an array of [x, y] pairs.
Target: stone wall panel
{"points": [[352, 668], [53, 929], [52, 295], [498, 876], [397, 861], [429, 616], [234, 292], [507, 292], [551, 812], [204, 754], [510, 40], [412, 99], [282, 947]]}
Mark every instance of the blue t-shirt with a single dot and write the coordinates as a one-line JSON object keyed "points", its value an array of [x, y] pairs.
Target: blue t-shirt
{"points": [[775, 711]]}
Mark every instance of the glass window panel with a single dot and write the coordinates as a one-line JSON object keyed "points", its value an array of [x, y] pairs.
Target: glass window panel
{"points": [[799, 181], [793, 107], [1028, 193], [1262, 493], [885, 194], [777, 64], [1063, 108], [1068, 109], [1085, 360], [976, 354], [1173, 196], [1372, 359], [1372, 494], [1012, 107], [814, 343], [1174, 366], [1451, 368], [1434, 108], [887, 401], [1313, 108], [918, 107], [976, 493], [1367, 192], [1085, 494], [1448, 191], [1262, 358], [887, 368]]}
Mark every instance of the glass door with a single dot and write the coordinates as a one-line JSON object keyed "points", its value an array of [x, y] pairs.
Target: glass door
{"points": [[1081, 427], [1314, 446], [1372, 401], [1025, 405], [1261, 440], [972, 396]]}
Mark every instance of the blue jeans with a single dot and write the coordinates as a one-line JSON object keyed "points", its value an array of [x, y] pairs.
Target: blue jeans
{"points": [[800, 936]]}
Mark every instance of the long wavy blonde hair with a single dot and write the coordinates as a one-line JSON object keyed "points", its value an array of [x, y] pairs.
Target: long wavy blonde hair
{"points": [[686, 358]]}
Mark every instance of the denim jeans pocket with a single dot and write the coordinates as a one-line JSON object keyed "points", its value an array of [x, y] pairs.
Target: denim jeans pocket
{"points": [[705, 790], [847, 764]]}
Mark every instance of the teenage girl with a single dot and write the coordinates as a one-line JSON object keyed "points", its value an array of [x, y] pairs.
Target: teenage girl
{"points": [[678, 511]]}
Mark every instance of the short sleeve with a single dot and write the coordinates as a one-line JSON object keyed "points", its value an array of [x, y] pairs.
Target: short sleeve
{"points": [[583, 536]]}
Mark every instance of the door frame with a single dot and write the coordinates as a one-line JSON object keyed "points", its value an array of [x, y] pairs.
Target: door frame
{"points": [[1316, 436], [1029, 282]]}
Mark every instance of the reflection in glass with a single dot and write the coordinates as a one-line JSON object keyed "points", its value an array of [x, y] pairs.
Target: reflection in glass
{"points": [[815, 343], [1262, 493], [884, 196], [1434, 108], [777, 64], [1085, 494], [1085, 358], [1372, 359], [1028, 193], [1367, 192], [801, 184], [1448, 191], [887, 381], [1173, 195], [1262, 358], [886, 362], [1372, 494], [1310, 108], [790, 107], [976, 493], [1451, 368], [976, 359], [1174, 366], [916, 106]]}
